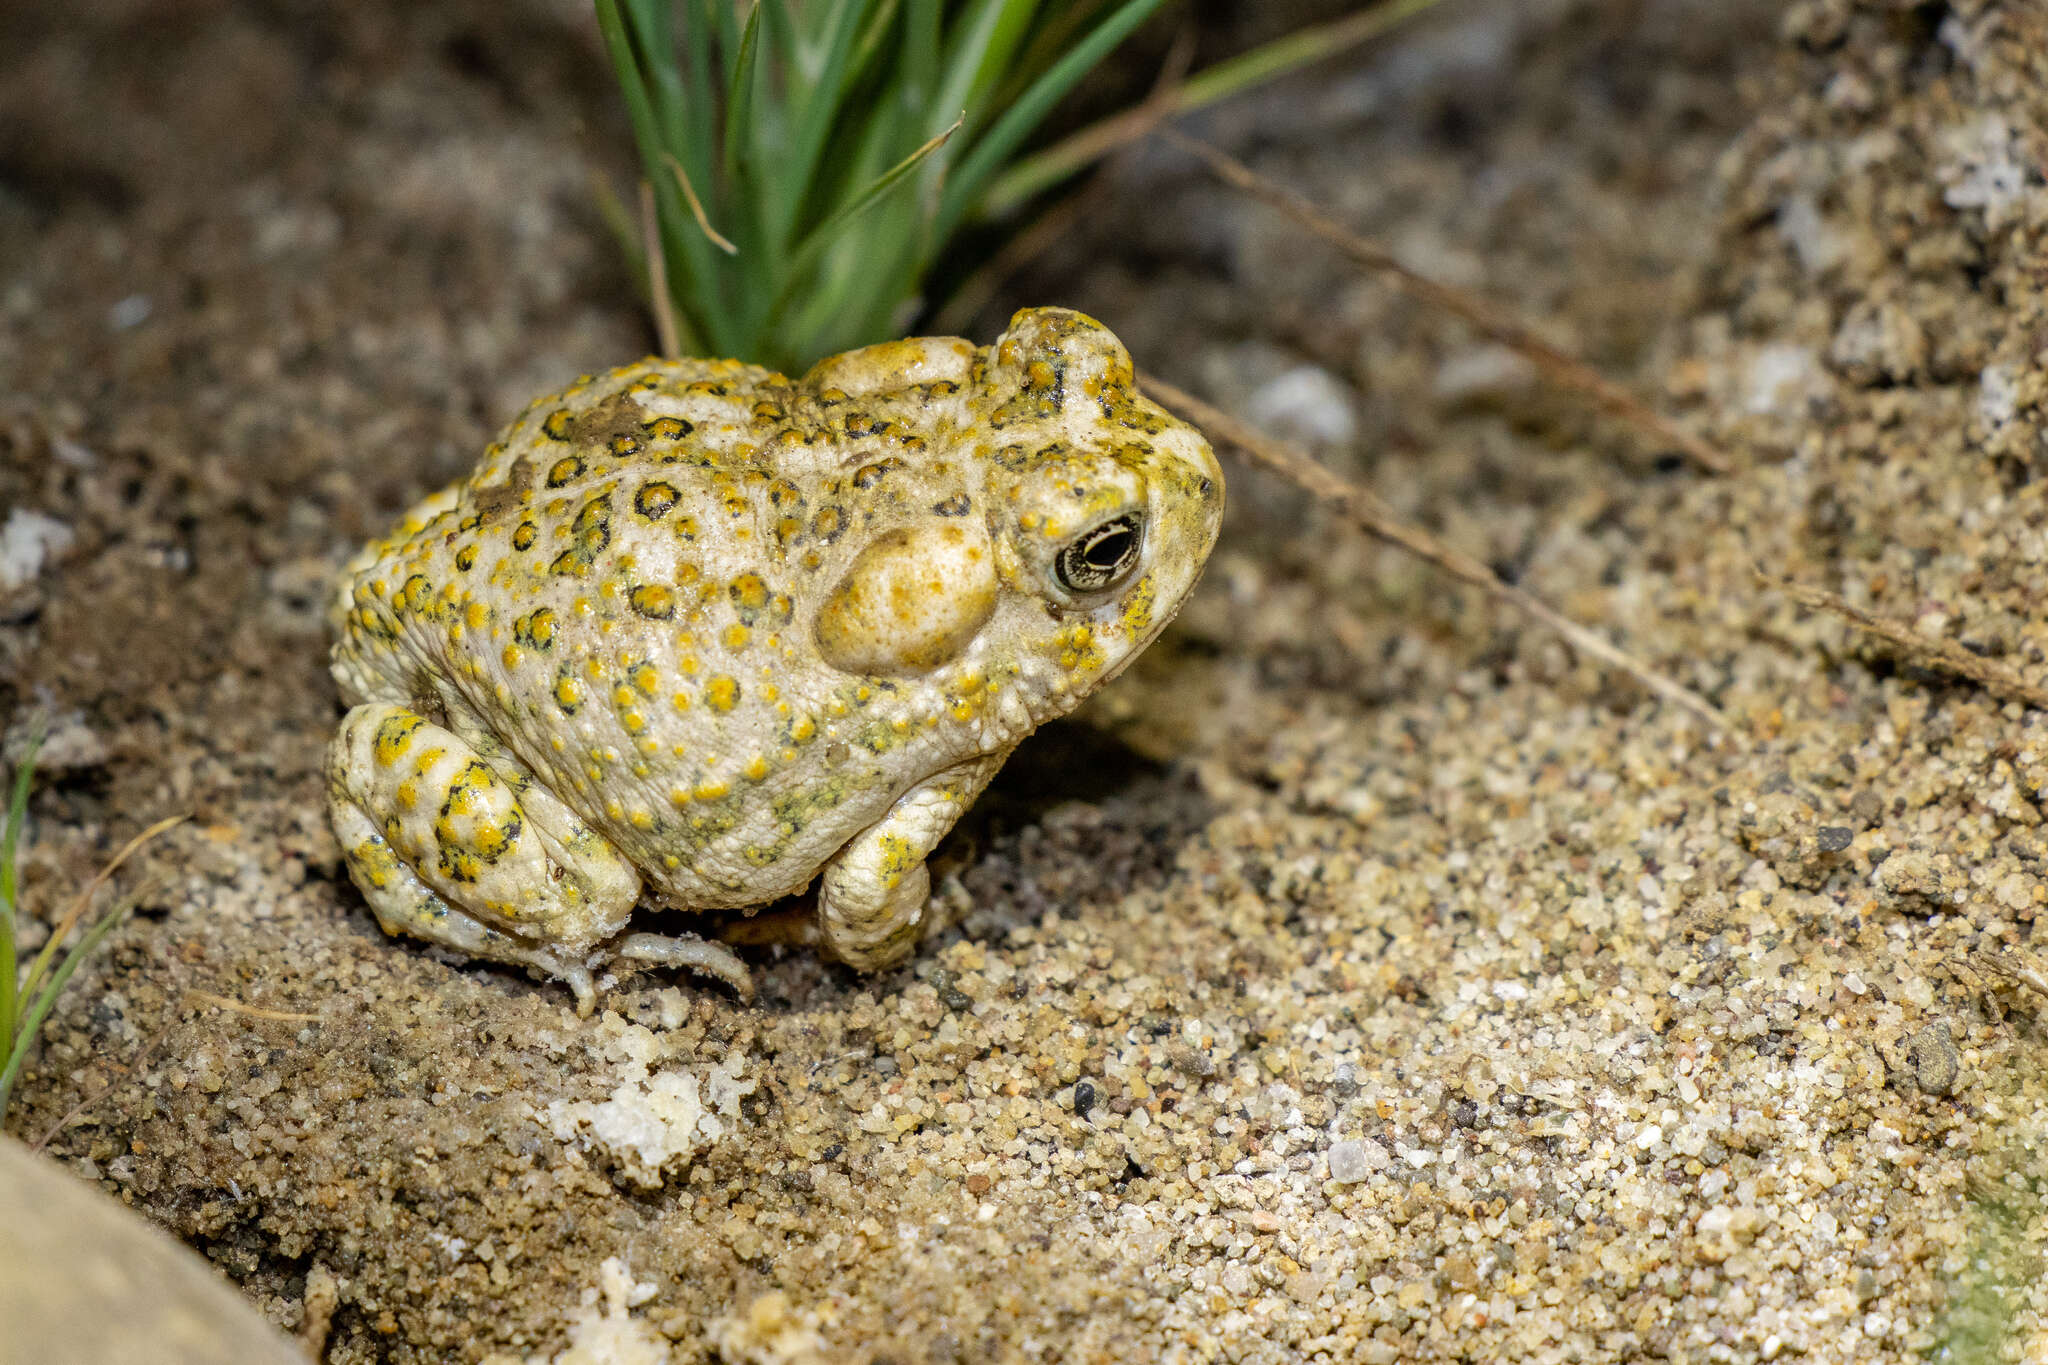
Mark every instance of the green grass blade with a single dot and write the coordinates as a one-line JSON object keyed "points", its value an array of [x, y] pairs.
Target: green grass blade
{"points": [[725, 16], [739, 96], [1040, 171], [821, 237], [691, 269], [1292, 51], [995, 146], [983, 42], [45, 999], [652, 25], [817, 238], [821, 107], [10, 842], [1041, 47], [918, 85], [873, 37], [17, 812]]}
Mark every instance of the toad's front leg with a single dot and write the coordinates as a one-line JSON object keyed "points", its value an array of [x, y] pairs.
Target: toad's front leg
{"points": [[871, 899], [462, 849]]}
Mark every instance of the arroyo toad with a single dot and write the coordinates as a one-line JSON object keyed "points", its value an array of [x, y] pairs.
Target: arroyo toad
{"points": [[695, 632]]}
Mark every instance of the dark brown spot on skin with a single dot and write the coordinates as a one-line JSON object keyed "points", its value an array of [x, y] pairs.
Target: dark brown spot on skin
{"points": [[604, 422], [414, 595], [517, 488], [959, 505]]}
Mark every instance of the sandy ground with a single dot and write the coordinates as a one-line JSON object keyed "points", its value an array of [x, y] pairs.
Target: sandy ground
{"points": [[1361, 978]]}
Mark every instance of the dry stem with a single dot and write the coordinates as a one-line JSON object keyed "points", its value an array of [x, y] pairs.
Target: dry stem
{"points": [[286, 1016], [1564, 370], [1946, 655], [2015, 965], [83, 900], [669, 339], [1377, 519]]}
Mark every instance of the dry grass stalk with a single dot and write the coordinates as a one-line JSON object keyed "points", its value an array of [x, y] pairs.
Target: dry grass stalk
{"points": [[236, 1006], [1377, 519], [2015, 965], [1564, 370], [665, 331], [1946, 655]]}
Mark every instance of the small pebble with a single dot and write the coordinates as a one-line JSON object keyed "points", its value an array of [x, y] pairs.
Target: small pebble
{"points": [[1084, 1098], [1936, 1064], [1347, 1162]]}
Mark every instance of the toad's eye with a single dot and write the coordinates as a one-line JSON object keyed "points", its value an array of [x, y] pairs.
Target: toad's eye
{"points": [[1099, 557]]}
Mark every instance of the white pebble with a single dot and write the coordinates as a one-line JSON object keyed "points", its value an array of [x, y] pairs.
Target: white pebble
{"points": [[1306, 403], [27, 541], [1348, 1162]]}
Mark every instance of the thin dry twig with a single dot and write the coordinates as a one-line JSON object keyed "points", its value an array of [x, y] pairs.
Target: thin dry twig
{"points": [[1947, 655], [1566, 371], [83, 900], [1377, 519], [664, 307], [287, 1016], [2015, 965]]}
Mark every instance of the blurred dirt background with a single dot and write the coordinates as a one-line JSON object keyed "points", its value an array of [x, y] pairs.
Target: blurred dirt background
{"points": [[1361, 978]]}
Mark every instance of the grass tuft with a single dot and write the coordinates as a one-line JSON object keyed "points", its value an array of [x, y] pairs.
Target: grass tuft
{"points": [[809, 159], [27, 999], [805, 162]]}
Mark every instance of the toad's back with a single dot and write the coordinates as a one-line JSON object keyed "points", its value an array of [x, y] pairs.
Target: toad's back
{"points": [[618, 595]]}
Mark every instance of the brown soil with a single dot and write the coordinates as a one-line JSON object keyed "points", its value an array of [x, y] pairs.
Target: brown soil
{"points": [[1362, 977]]}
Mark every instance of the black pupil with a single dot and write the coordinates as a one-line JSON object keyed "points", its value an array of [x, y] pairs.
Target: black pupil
{"points": [[1108, 549]]}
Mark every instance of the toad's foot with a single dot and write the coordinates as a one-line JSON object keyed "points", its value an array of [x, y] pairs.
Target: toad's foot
{"points": [[871, 900], [696, 954]]}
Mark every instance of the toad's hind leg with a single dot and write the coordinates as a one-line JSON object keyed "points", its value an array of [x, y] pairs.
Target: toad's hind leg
{"points": [[468, 853]]}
